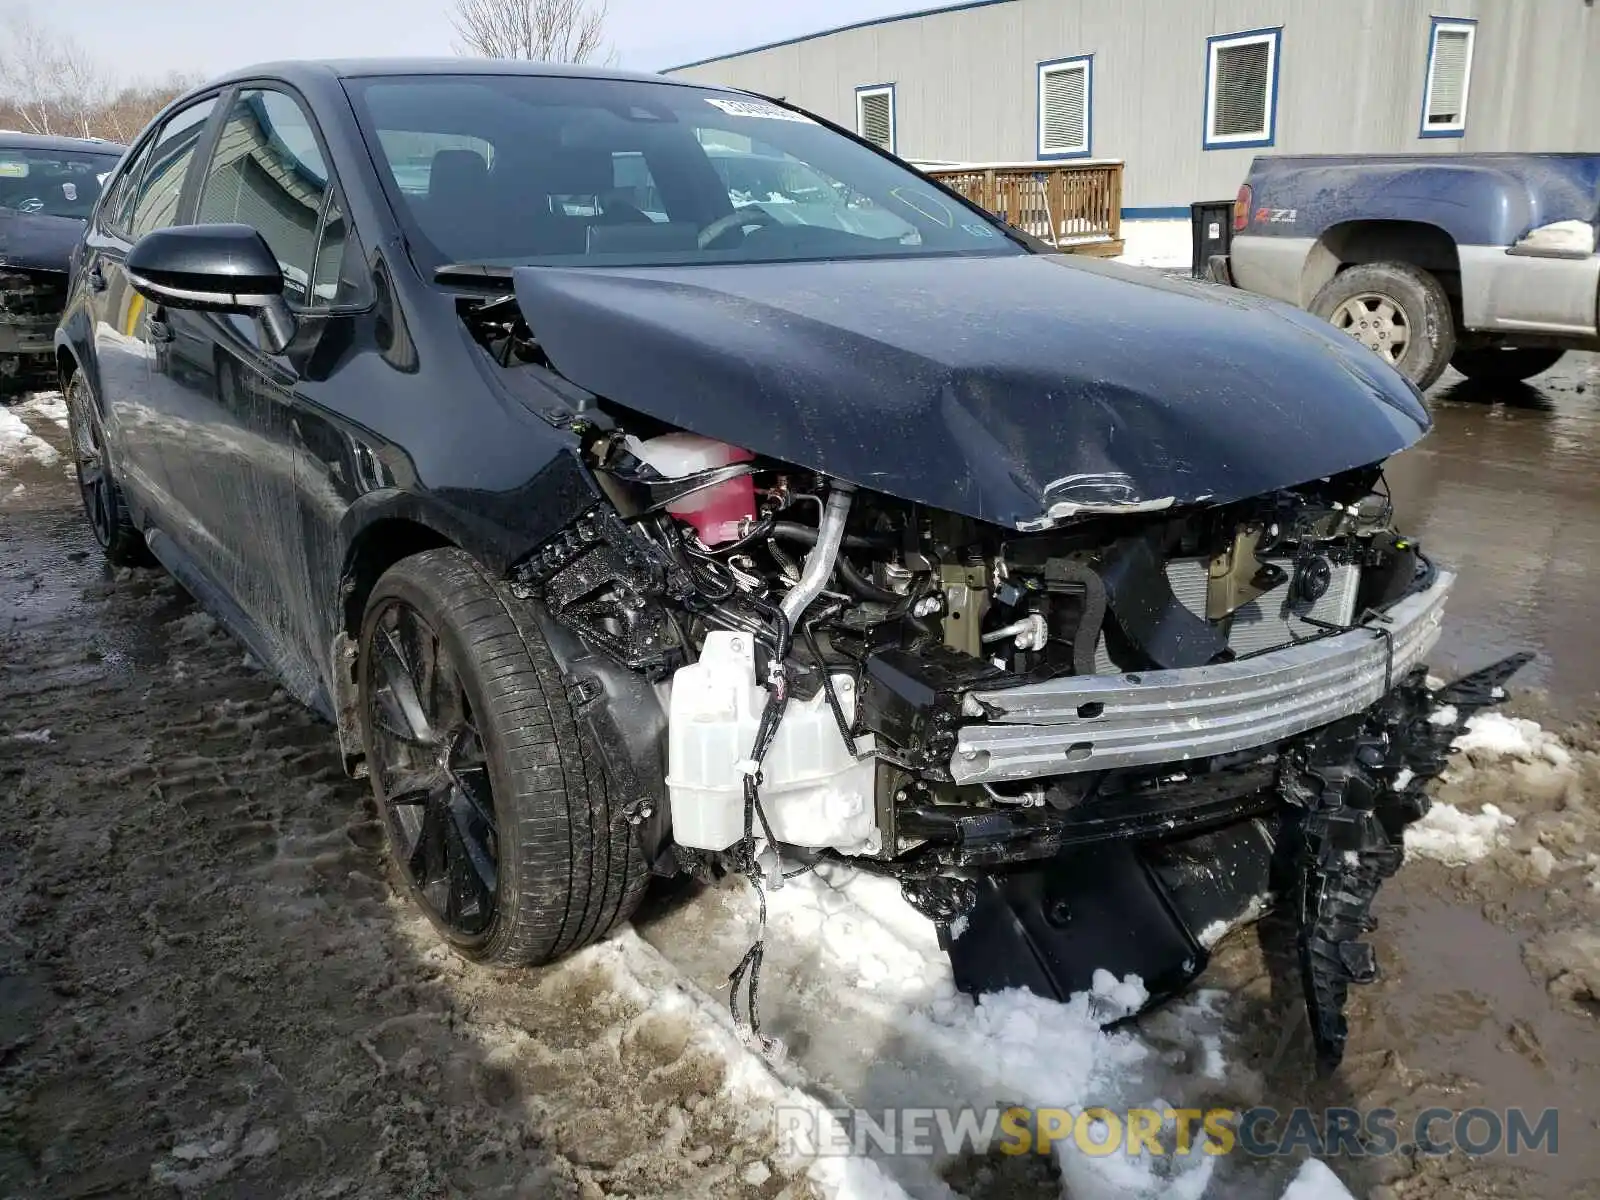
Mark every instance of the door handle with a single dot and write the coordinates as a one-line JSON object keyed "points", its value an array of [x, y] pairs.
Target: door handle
{"points": [[160, 331], [97, 279]]}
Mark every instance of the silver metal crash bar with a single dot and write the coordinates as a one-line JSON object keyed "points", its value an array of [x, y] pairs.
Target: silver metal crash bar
{"points": [[1147, 718]]}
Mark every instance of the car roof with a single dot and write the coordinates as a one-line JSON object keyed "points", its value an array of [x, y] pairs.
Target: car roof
{"points": [[11, 139], [296, 70]]}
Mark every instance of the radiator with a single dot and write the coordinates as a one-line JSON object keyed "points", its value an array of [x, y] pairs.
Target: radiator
{"points": [[1264, 623]]}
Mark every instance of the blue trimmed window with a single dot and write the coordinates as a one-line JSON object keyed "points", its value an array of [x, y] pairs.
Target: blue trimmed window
{"points": [[1444, 95], [875, 115], [1242, 89], [1066, 107]]}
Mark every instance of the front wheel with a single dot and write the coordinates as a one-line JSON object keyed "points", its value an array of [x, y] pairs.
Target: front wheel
{"points": [[498, 816], [1398, 311], [1505, 364]]}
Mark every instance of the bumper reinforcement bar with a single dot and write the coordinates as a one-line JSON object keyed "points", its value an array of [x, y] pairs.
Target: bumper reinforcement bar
{"points": [[1100, 722]]}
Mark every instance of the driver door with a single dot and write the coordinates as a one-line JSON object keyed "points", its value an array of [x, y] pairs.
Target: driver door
{"points": [[267, 170]]}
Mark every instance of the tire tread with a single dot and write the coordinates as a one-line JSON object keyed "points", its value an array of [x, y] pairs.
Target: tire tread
{"points": [[574, 870]]}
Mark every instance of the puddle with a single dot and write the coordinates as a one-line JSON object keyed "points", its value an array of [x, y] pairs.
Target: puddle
{"points": [[1503, 491]]}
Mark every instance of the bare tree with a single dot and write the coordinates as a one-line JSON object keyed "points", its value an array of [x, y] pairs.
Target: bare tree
{"points": [[543, 30], [49, 83], [30, 57], [121, 116]]}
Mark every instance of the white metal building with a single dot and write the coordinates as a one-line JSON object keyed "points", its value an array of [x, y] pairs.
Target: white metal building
{"points": [[1187, 91]]}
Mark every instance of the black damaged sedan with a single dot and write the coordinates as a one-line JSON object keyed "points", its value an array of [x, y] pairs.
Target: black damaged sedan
{"points": [[624, 519], [48, 187]]}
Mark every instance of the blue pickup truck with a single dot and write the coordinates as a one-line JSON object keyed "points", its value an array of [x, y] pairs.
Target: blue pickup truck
{"points": [[1485, 262]]}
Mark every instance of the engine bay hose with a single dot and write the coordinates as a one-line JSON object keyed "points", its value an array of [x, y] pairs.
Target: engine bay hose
{"points": [[820, 562], [793, 531]]}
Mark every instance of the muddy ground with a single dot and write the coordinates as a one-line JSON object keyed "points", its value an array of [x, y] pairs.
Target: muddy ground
{"points": [[207, 986]]}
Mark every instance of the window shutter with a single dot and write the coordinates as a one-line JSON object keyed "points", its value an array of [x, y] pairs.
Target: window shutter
{"points": [[1064, 109], [1243, 74], [1452, 55], [875, 117]]}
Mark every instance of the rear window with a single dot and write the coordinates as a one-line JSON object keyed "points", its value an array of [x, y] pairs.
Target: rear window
{"points": [[58, 183]]}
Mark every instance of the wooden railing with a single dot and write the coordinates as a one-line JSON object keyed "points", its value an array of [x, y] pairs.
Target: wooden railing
{"points": [[1074, 205]]}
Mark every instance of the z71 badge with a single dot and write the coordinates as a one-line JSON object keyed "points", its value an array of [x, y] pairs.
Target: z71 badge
{"points": [[1276, 216]]}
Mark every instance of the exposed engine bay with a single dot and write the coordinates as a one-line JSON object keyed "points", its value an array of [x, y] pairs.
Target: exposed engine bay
{"points": [[1097, 740]]}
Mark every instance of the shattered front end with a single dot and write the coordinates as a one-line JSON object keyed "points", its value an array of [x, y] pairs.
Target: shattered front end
{"points": [[1100, 741], [30, 303]]}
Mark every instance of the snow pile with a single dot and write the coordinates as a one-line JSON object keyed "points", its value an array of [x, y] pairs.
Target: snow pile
{"points": [[642, 976], [1456, 838], [1008, 1048], [18, 442], [1316, 1182], [1490, 743], [1492, 735], [1164, 245], [47, 405]]}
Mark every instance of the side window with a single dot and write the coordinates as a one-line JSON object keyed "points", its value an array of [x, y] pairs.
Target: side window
{"points": [[116, 206], [269, 173], [155, 200]]}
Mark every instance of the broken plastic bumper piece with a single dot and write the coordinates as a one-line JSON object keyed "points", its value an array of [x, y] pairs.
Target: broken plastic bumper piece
{"points": [[1098, 722]]}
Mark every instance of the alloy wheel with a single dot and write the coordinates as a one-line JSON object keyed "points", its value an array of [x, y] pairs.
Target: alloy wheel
{"points": [[94, 481], [1375, 321], [428, 760]]}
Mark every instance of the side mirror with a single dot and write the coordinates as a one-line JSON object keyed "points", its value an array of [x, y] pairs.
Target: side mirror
{"points": [[214, 268]]}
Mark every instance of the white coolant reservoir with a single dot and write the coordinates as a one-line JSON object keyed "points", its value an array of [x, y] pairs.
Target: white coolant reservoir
{"points": [[813, 792], [715, 511]]}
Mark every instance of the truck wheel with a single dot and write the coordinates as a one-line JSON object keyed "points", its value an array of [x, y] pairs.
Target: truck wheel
{"points": [[103, 501], [1397, 310], [1505, 364], [497, 813]]}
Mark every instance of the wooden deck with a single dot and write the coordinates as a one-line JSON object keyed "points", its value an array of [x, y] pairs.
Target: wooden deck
{"points": [[1075, 206]]}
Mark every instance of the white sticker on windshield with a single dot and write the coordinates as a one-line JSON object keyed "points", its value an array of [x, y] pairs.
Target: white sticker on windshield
{"points": [[69, 190], [755, 108]]}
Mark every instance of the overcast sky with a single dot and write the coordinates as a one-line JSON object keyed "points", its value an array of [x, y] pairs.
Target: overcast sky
{"points": [[154, 37]]}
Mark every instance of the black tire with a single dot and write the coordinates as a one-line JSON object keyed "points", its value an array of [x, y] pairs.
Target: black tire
{"points": [[566, 867], [103, 501], [1421, 308], [1505, 364]]}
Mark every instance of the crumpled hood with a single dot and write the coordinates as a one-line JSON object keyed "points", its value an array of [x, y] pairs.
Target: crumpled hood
{"points": [[998, 387], [37, 241]]}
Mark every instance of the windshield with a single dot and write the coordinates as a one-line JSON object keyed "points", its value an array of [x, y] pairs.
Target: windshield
{"points": [[58, 183], [508, 169]]}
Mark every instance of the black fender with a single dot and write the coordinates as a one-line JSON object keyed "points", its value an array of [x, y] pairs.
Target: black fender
{"points": [[75, 339]]}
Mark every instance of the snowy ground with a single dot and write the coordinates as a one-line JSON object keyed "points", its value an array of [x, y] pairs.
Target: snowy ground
{"points": [[1165, 245], [206, 985]]}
